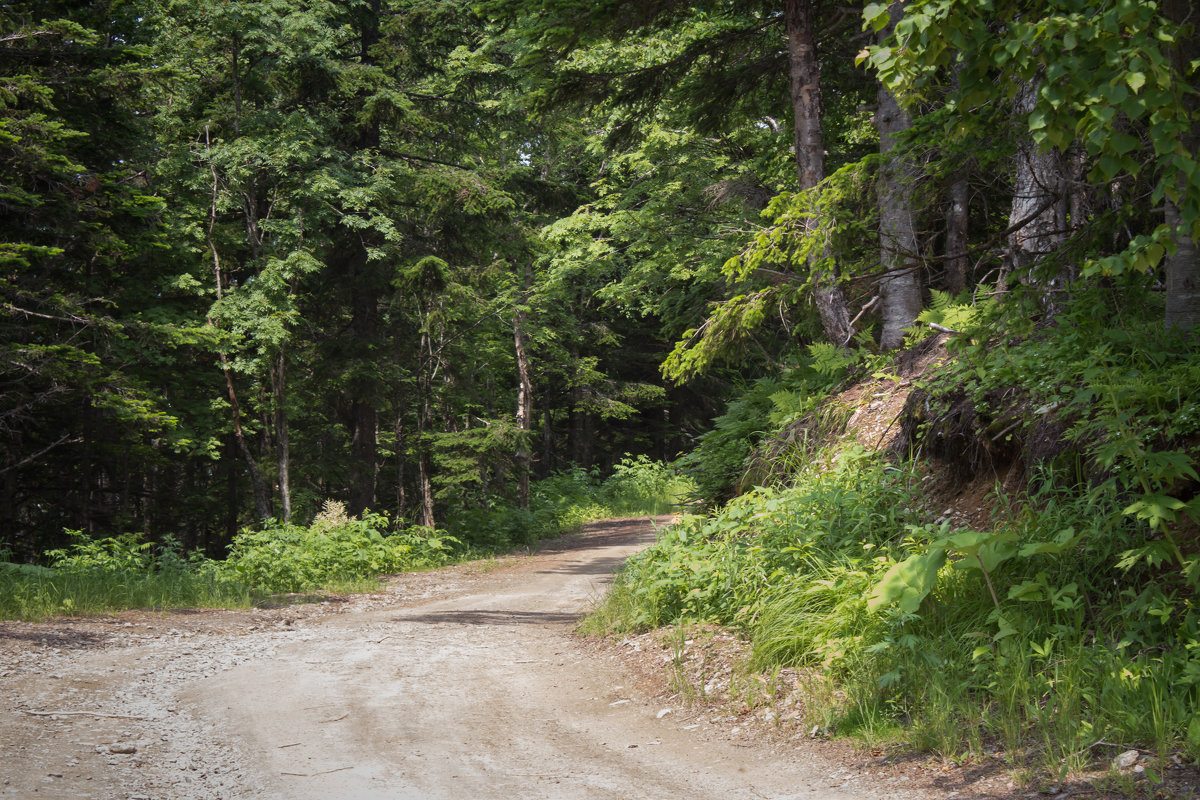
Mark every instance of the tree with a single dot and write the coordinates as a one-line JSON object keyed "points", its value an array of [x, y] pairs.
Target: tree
{"points": [[1109, 76], [719, 64], [77, 246], [805, 82], [1183, 264], [900, 286]]}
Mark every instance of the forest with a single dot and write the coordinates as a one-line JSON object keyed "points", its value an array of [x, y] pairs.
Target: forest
{"points": [[393, 281]]}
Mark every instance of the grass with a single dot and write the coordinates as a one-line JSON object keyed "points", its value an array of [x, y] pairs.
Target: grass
{"points": [[1074, 650], [31, 596]]}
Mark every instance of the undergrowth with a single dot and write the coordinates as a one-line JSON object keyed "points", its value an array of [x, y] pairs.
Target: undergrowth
{"points": [[563, 502], [1066, 629], [1071, 650], [96, 575], [731, 456], [335, 553]]}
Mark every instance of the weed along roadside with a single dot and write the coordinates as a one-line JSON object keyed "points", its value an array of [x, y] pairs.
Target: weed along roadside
{"points": [[1009, 630], [336, 553]]}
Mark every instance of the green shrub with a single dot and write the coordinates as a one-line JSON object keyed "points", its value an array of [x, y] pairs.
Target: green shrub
{"points": [[335, 548], [720, 568], [641, 486], [571, 498], [723, 455], [1064, 640]]}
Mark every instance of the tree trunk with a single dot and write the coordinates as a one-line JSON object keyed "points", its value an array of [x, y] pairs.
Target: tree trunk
{"points": [[262, 506], [85, 470], [804, 74], [900, 287], [958, 212], [365, 288], [8, 509], [401, 496], [1183, 277], [424, 416], [363, 414], [958, 217], [1036, 221], [547, 465], [364, 282], [523, 456], [282, 453], [1080, 191], [1183, 266], [805, 78]]}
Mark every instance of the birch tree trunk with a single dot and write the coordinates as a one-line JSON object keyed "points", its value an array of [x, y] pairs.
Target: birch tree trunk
{"points": [[282, 452], [900, 288], [1037, 221], [523, 456], [424, 420]]}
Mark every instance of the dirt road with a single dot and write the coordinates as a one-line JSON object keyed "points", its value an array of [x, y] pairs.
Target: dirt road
{"points": [[462, 683]]}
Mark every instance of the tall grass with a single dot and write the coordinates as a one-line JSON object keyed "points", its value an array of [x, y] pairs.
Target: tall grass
{"points": [[98, 575], [1076, 648]]}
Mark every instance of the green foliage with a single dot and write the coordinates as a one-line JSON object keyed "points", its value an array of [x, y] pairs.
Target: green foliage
{"points": [[335, 548], [810, 238], [108, 574], [1124, 398], [720, 568], [98, 575], [562, 502], [1108, 79], [639, 486], [725, 453], [1068, 621], [956, 313]]}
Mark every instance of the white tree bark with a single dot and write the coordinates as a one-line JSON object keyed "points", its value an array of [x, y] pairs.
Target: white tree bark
{"points": [[900, 287]]}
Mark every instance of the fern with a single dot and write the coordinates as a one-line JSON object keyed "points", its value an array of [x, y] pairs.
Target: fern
{"points": [[790, 405], [958, 313], [830, 360]]}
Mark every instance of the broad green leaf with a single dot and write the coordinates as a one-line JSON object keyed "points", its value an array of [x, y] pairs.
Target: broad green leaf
{"points": [[876, 16], [1028, 591], [986, 550], [908, 582], [1123, 143], [1064, 541]]}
